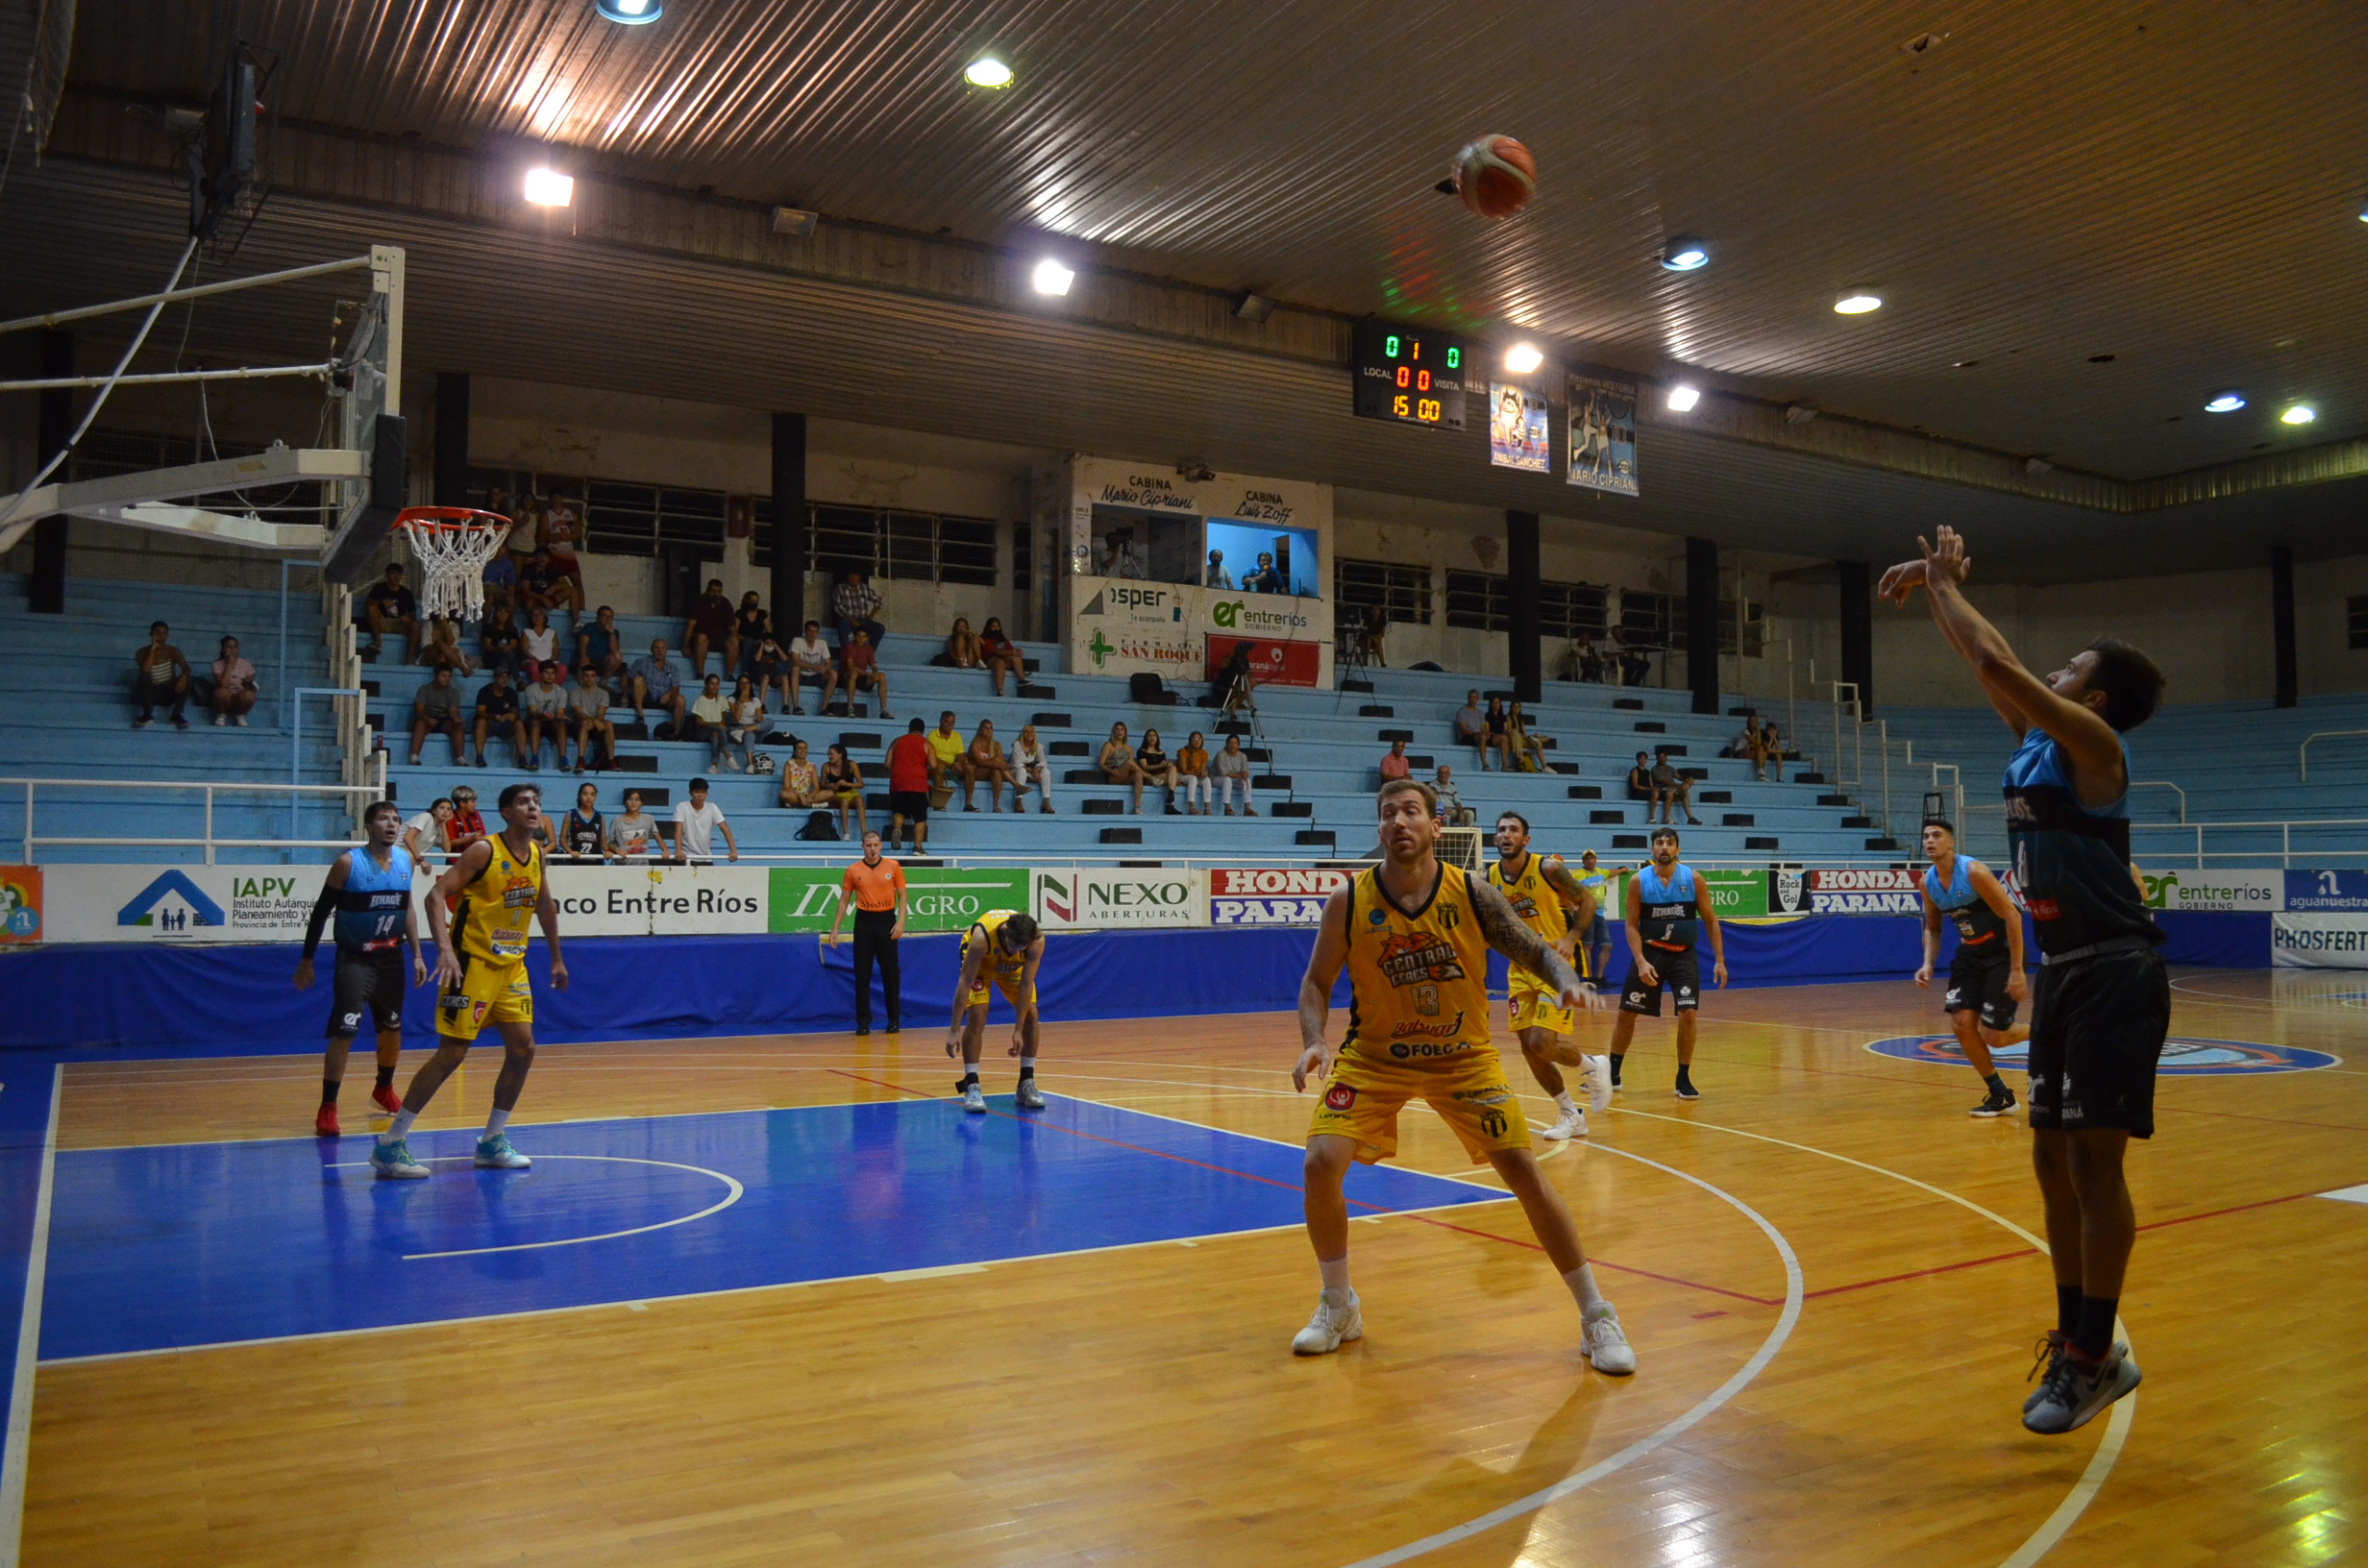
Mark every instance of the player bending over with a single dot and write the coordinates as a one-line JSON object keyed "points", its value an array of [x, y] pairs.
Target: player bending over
{"points": [[1561, 908], [368, 894], [1665, 907], [1985, 976], [495, 888], [2101, 1008], [1414, 935], [1002, 949]]}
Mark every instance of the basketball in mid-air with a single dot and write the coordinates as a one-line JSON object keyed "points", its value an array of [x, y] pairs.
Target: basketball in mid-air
{"points": [[1495, 177]]}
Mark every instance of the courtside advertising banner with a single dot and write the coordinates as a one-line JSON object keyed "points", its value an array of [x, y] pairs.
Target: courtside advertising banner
{"points": [[1271, 896], [2328, 892], [2256, 892], [1123, 898], [940, 898], [20, 904], [1878, 890], [1735, 892], [656, 900], [2318, 942]]}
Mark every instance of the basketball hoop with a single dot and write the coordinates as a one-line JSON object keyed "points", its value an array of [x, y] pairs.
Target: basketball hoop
{"points": [[452, 545]]}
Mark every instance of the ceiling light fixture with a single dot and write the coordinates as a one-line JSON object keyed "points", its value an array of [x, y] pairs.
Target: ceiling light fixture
{"points": [[1856, 301], [2227, 403], [1683, 398], [2301, 413], [1252, 307], [548, 187], [629, 12], [1684, 255], [1523, 357], [987, 71], [1052, 278]]}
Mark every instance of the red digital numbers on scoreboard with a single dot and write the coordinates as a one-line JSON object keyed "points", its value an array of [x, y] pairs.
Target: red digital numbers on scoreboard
{"points": [[1408, 374]]}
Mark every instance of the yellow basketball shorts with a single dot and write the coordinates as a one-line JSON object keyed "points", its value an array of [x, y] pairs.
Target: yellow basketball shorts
{"points": [[1471, 1094], [979, 996], [488, 993], [1534, 1007]]}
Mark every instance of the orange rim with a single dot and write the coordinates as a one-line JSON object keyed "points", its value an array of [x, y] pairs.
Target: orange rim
{"points": [[438, 518]]}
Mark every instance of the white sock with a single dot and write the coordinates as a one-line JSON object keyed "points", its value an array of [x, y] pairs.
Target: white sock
{"points": [[1582, 1283], [1569, 1106], [1335, 1272], [495, 1122], [970, 1072], [400, 1128], [1027, 1064]]}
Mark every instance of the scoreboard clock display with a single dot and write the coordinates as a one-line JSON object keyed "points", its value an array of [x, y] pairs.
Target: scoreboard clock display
{"points": [[1410, 375]]}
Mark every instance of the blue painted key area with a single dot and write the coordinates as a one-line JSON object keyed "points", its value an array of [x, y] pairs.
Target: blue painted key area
{"points": [[212, 1243]]}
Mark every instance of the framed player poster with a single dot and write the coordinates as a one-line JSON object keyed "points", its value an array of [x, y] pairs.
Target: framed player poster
{"points": [[1520, 432], [1603, 435]]}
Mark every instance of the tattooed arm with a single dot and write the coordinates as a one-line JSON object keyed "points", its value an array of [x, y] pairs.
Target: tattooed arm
{"points": [[1509, 935], [1574, 896]]}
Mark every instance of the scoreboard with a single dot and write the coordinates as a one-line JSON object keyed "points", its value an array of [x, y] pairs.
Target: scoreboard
{"points": [[1410, 375]]}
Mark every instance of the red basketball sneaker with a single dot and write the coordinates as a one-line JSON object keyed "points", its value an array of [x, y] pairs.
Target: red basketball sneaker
{"points": [[386, 1099], [325, 1125]]}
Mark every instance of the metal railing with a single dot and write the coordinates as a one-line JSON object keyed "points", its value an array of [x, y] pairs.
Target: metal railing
{"points": [[209, 841], [2285, 841], [2164, 784], [2322, 735]]}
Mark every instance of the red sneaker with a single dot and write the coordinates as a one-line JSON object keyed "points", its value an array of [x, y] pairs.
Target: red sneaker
{"points": [[325, 1125], [386, 1099]]}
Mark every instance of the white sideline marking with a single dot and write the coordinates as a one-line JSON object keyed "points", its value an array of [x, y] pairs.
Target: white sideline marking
{"points": [[28, 1342], [941, 1271], [2349, 1194]]}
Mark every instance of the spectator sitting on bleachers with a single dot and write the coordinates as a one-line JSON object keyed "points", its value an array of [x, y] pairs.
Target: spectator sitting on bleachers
{"points": [[809, 659], [442, 650], [390, 606], [1394, 765], [1152, 759], [962, 651], [231, 690], [856, 604], [587, 709], [501, 580], [1000, 654], [543, 586], [161, 680], [468, 823], [1640, 786], [1771, 753], [983, 759], [910, 772], [709, 629], [653, 679], [1492, 737], [1745, 744], [696, 821], [1191, 774], [1675, 789], [708, 713], [858, 668], [1117, 763], [538, 643], [744, 721], [842, 783], [750, 625], [1452, 812], [497, 639], [945, 748], [1472, 727], [1581, 661], [1635, 663], [423, 836], [632, 833], [801, 786], [1231, 767], [768, 666], [561, 523], [544, 718], [496, 714], [1031, 767], [437, 709], [584, 833], [1526, 749], [601, 646]]}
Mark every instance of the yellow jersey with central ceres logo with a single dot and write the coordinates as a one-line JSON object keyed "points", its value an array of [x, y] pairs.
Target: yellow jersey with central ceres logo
{"points": [[1418, 982], [1533, 897], [1001, 968], [495, 910]]}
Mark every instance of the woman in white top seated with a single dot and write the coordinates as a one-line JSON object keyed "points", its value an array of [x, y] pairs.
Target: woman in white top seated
{"points": [[540, 641], [1030, 766]]}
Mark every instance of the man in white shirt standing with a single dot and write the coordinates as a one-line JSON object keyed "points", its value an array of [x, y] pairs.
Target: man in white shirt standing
{"points": [[809, 659], [696, 821]]}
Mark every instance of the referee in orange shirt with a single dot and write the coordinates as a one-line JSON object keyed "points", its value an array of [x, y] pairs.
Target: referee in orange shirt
{"points": [[873, 887]]}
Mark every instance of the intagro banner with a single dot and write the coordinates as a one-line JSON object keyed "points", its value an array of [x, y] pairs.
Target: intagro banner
{"points": [[2254, 892], [1878, 890], [2318, 942], [1292, 895], [941, 898], [1117, 900], [1740, 893]]}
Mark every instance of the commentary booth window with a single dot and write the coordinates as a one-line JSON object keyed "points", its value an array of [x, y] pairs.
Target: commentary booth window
{"points": [[1224, 554]]}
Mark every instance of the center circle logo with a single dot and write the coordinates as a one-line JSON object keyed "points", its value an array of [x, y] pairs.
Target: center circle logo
{"points": [[2183, 1056]]}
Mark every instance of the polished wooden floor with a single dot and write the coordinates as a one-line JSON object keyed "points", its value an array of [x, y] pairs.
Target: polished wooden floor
{"points": [[1141, 1406]]}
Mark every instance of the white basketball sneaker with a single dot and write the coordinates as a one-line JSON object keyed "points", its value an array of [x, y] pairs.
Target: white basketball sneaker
{"points": [[1598, 1071], [1334, 1324], [1573, 1124], [1605, 1343]]}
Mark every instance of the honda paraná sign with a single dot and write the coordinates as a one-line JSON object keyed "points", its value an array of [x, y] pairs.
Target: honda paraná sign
{"points": [[1292, 896]]}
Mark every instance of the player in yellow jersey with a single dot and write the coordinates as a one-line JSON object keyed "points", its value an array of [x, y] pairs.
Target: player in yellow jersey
{"points": [[1556, 905], [1002, 948], [495, 889], [1415, 936]]}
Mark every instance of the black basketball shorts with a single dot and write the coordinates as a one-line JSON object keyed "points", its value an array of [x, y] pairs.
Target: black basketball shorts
{"points": [[2097, 1028], [1977, 984], [1681, 977], [367, 983]]}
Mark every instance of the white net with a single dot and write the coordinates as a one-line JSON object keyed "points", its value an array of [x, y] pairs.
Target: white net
{"points": [[452, 559]]}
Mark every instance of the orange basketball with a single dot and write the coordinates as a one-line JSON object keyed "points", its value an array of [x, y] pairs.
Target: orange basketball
{"points": [[1495, 177]]}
